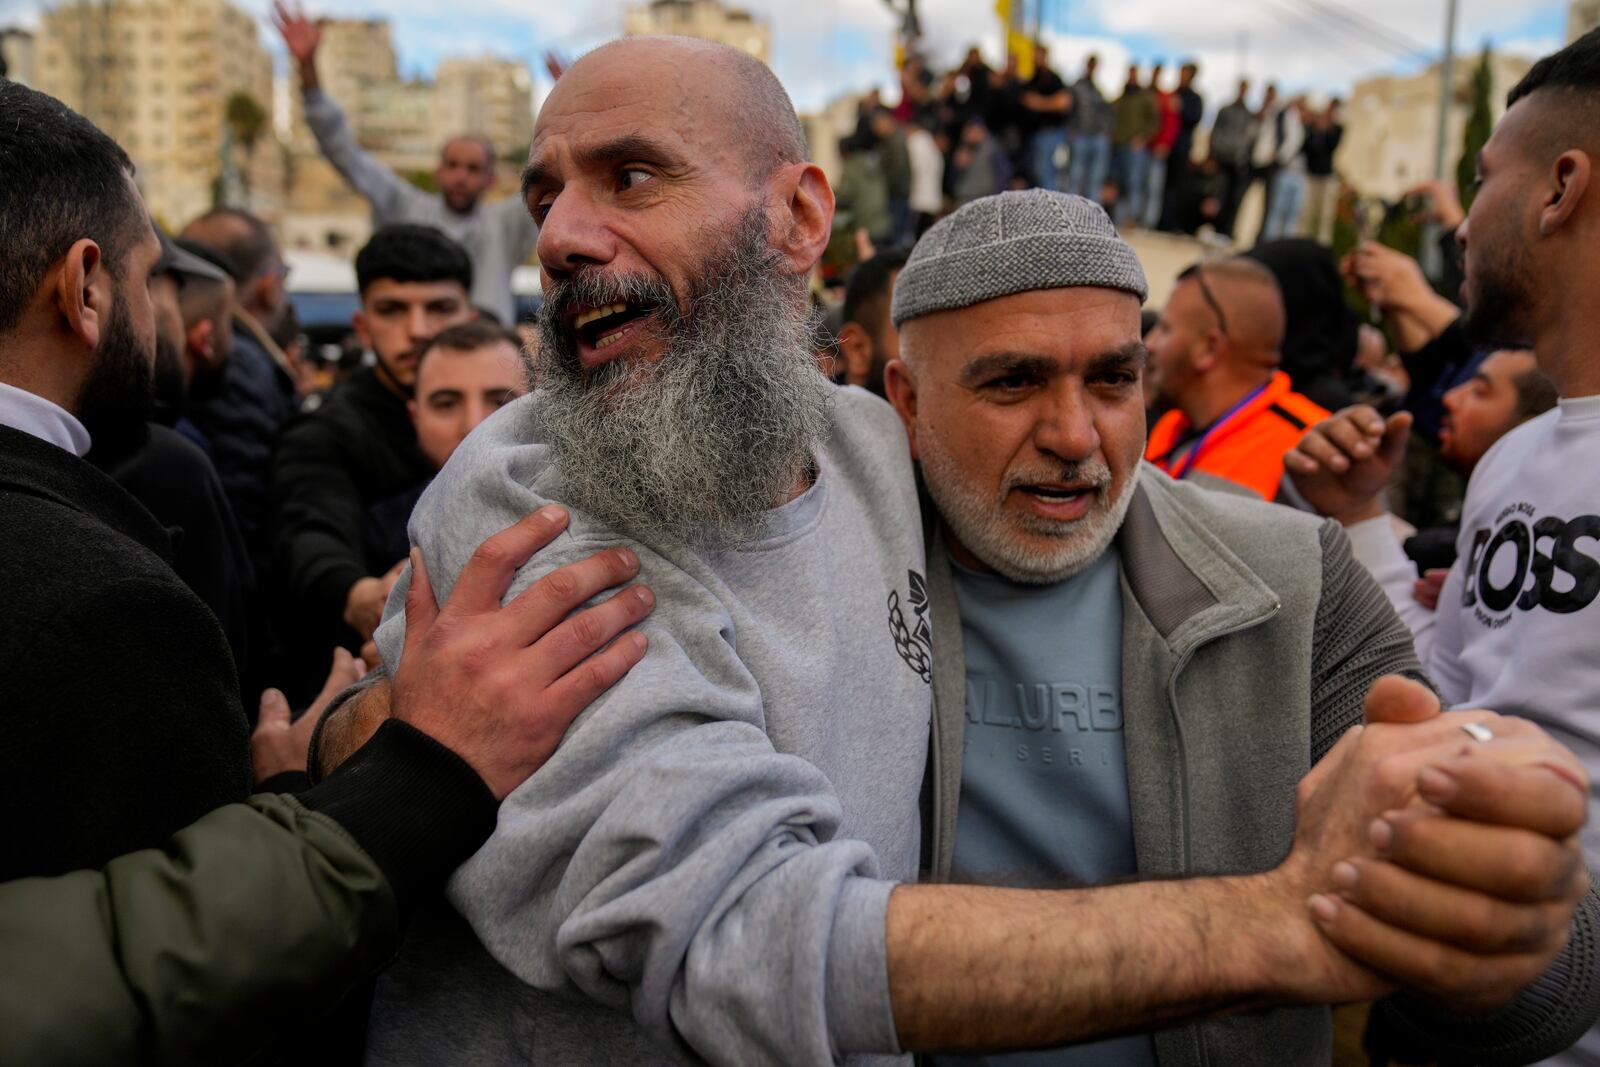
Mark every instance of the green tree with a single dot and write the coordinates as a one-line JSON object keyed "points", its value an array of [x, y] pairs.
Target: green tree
{"points": [[1479, 125], [247, 121]]}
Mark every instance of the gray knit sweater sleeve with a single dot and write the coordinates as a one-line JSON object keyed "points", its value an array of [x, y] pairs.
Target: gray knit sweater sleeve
{"points": [[1359, 639]]}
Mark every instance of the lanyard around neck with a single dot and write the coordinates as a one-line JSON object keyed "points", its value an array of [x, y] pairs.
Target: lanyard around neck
{"points": [[1187, 463]]}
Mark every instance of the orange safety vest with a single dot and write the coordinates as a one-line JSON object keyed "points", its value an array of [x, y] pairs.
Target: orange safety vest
{"points": [[1245, 446]]}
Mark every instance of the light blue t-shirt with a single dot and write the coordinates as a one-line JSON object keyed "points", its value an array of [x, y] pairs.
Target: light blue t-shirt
{"points": [[1044, 778]]}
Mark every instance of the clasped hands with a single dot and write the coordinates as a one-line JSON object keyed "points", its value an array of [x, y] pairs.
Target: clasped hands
{"points": [[1428, 860]]}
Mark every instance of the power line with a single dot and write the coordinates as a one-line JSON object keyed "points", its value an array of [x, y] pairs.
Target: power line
{"points": [[1376, 30], [1316, 20], [1299, 21], [1359, 17]]}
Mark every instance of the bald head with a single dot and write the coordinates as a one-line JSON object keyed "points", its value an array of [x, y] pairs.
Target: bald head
{"points": [[249, 253], [1251, 301], [738, 92], [244, 243]]}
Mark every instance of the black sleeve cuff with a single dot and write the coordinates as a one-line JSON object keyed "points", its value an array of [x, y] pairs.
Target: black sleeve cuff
{"points": [[314, 750], [418, 809], [285, 782]]}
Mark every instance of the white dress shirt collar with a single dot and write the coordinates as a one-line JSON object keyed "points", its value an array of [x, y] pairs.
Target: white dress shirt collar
{"points": [[34, 415]]}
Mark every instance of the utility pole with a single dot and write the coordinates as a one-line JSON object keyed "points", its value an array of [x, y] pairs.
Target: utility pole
{"points": [[1447, 88], [1431, 259]]}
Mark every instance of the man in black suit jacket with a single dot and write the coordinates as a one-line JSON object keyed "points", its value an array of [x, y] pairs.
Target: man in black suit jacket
{"points": [[120, 703]]}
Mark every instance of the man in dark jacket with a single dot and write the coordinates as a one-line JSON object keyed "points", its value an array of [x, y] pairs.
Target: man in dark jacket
{"points": [[1191, 107], [115, 675], [360, 447], [241, 422], [1233, 136], [121, 716], [166, 470]]}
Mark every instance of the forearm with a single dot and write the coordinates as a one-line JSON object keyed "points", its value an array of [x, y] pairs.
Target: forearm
{"points": [[978, 968], [381, 186], [350, 723]]}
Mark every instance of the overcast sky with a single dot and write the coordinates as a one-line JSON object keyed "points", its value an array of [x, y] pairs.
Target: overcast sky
{"points": [[822, 48]]}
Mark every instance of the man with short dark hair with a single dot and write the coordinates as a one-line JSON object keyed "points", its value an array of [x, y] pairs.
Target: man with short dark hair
{"points": [[121, 713], [1232, 138], [1046, 104], [867, 339], [116, 675], [464, 374], [1138, 121], [1090, 126], [359, 446], [1190, 108], [498, 236], [166, 470], [1517, 615]]}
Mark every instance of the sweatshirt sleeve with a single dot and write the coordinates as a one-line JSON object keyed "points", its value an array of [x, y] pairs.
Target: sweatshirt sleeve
{"points": [[385, 190], [668, 861], [1375, 547]]}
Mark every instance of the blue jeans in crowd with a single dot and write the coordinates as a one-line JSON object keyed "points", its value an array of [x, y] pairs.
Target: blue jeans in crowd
{"points": [[1155, 191], [1285, 200], [1090, 163], [1046, 143], [1133, 174]]}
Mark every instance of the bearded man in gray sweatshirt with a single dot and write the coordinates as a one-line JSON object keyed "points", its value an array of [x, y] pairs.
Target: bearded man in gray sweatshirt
{"points": [[714, 866]]}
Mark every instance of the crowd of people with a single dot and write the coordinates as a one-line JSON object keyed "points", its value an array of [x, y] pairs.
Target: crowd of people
{"points": [[976, 131], [1090, 684]]}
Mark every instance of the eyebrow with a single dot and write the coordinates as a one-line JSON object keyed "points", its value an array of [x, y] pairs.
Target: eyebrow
{"points": [[1131, 356], [607, 153]]}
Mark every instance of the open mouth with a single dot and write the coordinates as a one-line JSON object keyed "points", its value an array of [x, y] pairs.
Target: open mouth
{"points": [[601, 327], [1059, 494]]}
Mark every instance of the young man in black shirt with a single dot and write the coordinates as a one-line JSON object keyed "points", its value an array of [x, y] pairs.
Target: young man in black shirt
{"points": [[1045, 103], [359, 447]]}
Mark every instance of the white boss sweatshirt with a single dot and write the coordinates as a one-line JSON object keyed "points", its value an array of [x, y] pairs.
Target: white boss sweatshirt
{"points": [[1518, 625]]}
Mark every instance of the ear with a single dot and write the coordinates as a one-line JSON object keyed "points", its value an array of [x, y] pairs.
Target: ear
{"points": [[855, 348], [83, 292], [1206, 353], [411, 409], [1571, 181], [260, 292], [901, 389], [201, 341], [806, 215], [358, 322]]}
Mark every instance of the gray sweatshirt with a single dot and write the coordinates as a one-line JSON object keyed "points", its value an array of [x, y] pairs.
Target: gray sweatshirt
{"points": [[704, 865], [499, 236]]}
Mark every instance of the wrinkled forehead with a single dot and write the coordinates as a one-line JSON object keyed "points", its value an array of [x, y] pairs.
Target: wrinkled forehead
{"points": [[652, 93]]}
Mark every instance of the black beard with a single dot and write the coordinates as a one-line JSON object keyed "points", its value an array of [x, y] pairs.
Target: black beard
{"points": [[170, 399], [1501, 298], [117, 399]]}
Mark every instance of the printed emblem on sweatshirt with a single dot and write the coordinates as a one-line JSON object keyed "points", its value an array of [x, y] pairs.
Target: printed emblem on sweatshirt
{"points": [[914, 641], [1526, 563]]}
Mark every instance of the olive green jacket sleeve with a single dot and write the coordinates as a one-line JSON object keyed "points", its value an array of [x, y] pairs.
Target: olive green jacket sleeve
{"points": [[250, 922]]}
